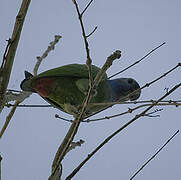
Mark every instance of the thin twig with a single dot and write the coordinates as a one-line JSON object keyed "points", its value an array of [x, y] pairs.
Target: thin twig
{"points": [[5, 52], [86, 7], [148, 84], [13, 90], [132, 102], [137, 61], [0, 166], [88, 60], [130, 110], [171, 102], [45, 54], [91, 32], [29, 105], [8, 118], [119, 130], [153, 112], [109, 61], [73, 145], [57, 116], [155, 154]]}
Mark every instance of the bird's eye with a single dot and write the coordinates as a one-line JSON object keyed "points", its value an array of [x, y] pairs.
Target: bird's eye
{"points": [[130, 81]]}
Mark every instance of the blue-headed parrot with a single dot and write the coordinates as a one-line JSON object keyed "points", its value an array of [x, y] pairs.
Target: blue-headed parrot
{"points": [[65, 88]]}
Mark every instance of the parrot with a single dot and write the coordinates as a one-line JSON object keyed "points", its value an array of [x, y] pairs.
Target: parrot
{"points": [[66, 87]]}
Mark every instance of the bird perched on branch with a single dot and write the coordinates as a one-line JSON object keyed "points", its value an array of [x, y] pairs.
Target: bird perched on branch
{"points": [[65, 88]]}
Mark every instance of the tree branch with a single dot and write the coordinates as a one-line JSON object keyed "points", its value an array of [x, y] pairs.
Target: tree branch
{"points": [[23, 95], [137, 61], [8, 118], [119, 130], [130, 110], [88, 61], [0, 166], [145, 86], [45, 54], [61, 152], [8, 59], [154, 155], [86, 7], [168, 102]]}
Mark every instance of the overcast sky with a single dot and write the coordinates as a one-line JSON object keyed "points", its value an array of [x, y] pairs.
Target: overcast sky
{"points": [[134, 27]]}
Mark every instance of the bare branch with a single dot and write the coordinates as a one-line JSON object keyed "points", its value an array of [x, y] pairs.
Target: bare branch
{"points": [[86, 7], [29, 105], [171, 102], [61, 152], [88, 60], [153, 112], [155, 154], [137, 61], [165, 74], [58, 173], [164, 103], [0, 166], [119, 130], [5, 53], [8, 118], [45, 54], [73, 145], [145, 86], [8, 60], [92, 32], [109, 61], [57, 116], [13, 90], [9, 96], [16, 96], [130, 110]]}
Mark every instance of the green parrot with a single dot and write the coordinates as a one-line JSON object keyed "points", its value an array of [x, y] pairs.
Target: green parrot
{"points": [[65, 88]]}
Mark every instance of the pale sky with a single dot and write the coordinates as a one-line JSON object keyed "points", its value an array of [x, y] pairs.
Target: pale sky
{"points": [[134, 27]]}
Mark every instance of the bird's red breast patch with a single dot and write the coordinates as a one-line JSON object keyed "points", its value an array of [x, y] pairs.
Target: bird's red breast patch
{"points": [[43, 86]]}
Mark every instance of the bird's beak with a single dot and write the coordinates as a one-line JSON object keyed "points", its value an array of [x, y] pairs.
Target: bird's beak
{"points": [[134, 88], [129, 88]]}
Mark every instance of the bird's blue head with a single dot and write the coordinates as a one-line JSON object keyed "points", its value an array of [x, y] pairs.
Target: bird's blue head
{"points": [[122, 87]]}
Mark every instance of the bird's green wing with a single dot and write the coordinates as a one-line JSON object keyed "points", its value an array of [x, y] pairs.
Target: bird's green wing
{"points": [[71, 70]]}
